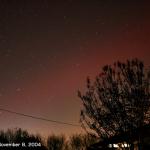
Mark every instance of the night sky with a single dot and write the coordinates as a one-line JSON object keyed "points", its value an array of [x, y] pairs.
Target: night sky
{"points": [[47, 49]]}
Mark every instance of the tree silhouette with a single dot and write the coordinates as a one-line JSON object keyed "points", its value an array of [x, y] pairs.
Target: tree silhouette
{"points": [[3, 137], [76, 142], [88, 139], [21, 136], [81, 141], [56, 142], [118, 101]]}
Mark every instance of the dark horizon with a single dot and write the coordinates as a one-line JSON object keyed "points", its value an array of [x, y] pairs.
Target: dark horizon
{"points": [[47, 49]]}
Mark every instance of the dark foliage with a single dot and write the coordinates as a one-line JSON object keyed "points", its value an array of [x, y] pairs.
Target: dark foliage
{"points": [[53, 142], [76, 142], [56, 142], [19, 136], [81, 142], [118, 101]]}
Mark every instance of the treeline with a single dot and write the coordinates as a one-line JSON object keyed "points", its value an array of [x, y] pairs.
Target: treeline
{"points": [[20, 139]]}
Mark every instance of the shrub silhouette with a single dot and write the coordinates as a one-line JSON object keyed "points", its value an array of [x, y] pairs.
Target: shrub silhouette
{"points": [[81, 141], [53, 142], [56, 142], [76, 142], [19, 136], [3, 137]]}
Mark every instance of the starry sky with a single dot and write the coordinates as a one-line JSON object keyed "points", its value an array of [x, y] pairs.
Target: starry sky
{"points": [[47, 49]]}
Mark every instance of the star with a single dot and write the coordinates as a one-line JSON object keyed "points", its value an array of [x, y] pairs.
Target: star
{"points": [[18, 89]]}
